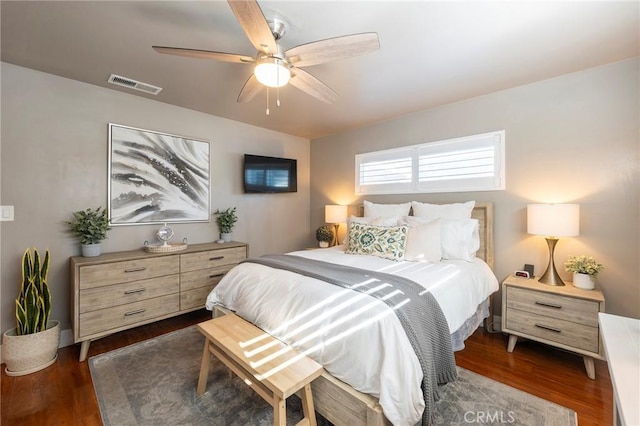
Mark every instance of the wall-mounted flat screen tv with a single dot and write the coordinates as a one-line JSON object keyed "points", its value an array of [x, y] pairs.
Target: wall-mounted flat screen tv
{"points": [[269, 174]]}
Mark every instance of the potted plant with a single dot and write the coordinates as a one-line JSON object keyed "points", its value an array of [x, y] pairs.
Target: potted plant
{"points": [[33, 344], [324, 235], [585, 269], [226, 219], [91, 226]]}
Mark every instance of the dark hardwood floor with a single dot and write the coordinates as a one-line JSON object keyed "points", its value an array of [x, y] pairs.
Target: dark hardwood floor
{"points": [[548, 373], [63, 393]]}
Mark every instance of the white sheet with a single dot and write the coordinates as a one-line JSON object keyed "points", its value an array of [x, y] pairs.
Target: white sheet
{"points": [[345, 331]]}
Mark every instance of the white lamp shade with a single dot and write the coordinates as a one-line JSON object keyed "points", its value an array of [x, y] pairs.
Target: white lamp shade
{"points": [[335, 214], [553, 220], [272, 72]]}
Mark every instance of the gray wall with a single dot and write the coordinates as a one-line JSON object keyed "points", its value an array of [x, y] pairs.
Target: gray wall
{"points": [[573, 138], [54, 161]]}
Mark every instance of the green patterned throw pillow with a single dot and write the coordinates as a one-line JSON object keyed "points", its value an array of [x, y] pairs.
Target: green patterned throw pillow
{"points": [[387, 242]]}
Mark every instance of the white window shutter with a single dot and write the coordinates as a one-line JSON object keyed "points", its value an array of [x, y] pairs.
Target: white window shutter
{"points": [[472, 163]]}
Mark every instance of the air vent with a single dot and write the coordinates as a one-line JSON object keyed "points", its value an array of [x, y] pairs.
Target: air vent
{"points": [[134, 84]]}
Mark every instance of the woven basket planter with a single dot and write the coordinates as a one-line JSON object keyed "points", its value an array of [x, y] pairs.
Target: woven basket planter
{"points": [[31, 352]]}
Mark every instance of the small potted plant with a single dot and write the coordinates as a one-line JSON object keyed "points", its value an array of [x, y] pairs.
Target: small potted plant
{"points": [[90, 226], [226, 219], [33, 344], [585, 269], [324, 235]]}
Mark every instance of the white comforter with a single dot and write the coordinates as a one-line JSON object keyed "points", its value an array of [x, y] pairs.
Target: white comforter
{"points": [[356, 337]]}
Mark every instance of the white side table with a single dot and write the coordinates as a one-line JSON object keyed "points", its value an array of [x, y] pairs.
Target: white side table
{"points": [[621, 338]]}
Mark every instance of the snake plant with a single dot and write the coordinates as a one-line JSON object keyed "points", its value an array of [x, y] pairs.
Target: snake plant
{"points": [[33, 304]]}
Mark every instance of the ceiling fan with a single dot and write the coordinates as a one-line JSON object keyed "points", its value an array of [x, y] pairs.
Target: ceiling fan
{"points": [[275, 67]]}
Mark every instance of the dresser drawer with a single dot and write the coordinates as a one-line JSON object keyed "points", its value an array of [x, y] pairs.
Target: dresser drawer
{"points": [[556, 330], [131, 270], [203, 277], [93, 299], [193, 299], [572, 309], [127, 315], [212, 258]]}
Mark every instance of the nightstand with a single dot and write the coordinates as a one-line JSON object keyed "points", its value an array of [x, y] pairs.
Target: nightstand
{"points": [[562, 316]]}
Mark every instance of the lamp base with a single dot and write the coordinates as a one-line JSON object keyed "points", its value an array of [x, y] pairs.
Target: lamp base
{"points": [[550, 276], [335, 234]]}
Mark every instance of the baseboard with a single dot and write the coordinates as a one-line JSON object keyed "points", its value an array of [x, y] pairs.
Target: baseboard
{"points": [[66, 339], [495, 326]]}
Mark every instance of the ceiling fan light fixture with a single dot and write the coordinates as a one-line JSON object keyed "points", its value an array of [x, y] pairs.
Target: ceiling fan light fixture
{"points": [[272, 72]]}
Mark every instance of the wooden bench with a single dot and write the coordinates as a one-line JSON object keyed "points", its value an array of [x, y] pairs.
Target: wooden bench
{"points": [[272, 369]]}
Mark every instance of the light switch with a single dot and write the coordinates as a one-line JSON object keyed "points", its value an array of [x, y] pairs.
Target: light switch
{"points": [[6, 213]]}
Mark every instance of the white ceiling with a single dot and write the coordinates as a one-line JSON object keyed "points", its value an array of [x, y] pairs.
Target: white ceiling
{"points": [[431, 53]]}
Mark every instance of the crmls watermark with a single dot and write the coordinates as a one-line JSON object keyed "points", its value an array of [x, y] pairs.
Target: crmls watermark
{"points": [[489, 417]]}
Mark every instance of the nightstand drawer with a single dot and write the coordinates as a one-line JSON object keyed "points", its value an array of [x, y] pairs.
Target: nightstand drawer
{"points": [[572, 309], [556, 330], [212, 259]]}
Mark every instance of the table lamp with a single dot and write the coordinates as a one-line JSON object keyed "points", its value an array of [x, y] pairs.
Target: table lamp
{"points": [[553, 221], [336, 215]]}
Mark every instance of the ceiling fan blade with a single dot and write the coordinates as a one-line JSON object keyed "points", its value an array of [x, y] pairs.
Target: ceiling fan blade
{"points": [[312, 86], [204, 54], [332, 49], [250, 89], [254, 24]]}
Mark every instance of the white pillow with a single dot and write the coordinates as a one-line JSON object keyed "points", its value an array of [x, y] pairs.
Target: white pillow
{"points": [[460, 239], [443, 211], [371, 209], [423, 240]]}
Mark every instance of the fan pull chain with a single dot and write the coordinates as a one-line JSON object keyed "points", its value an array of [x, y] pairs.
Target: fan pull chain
{"points": [[278, 87], [267, 101]]}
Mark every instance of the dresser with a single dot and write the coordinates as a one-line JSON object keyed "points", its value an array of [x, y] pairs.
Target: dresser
{"points": [[562, 316], [120, 290]]}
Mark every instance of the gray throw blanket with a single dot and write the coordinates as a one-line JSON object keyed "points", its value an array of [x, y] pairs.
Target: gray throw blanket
{"points": [[420, 315]]}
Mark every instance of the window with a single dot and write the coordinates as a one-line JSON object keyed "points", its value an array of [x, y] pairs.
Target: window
{"points": [[472, 163], [384, 172]]}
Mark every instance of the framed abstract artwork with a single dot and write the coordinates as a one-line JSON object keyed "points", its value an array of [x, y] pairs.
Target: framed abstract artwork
{"points": [[157, 177]]}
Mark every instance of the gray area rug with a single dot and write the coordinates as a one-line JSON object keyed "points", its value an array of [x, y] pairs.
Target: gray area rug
{"points": [[154, 383]]}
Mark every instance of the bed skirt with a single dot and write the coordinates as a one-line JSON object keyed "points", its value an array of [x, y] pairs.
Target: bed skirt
{"points": [[470, 325]]}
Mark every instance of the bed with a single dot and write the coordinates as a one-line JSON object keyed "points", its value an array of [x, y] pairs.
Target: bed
{"points": [[340, 330]]}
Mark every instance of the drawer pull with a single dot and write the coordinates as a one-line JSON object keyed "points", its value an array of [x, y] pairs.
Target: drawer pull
{"points": [[137, 311], [555, 330], [216, 275], [216, 258], [138, 269], [137, 290], [549, 305]]}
